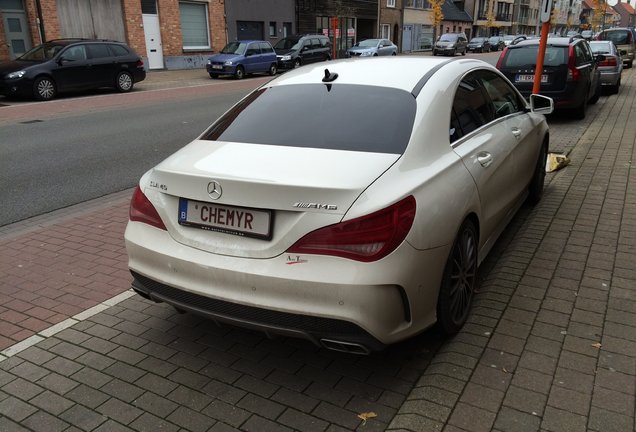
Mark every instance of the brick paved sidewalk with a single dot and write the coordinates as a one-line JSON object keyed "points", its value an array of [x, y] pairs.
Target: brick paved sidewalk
{"points": [[560, 282]]}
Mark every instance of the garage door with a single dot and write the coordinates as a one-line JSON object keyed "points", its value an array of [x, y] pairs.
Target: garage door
{"points": [[249, 30], [101, 19]]}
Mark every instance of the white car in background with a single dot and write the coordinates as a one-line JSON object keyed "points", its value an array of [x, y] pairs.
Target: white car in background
{"points": [[353, 214]]}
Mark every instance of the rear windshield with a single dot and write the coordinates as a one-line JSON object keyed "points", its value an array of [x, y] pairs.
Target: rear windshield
{"points": [[601, 47], [527, 56], [619, 37], [340, 117], [448, 38]]}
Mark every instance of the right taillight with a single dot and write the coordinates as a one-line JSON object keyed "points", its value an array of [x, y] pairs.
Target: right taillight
{"points": [[609, 61], [573, 73], [142, 210], [367, 238]]}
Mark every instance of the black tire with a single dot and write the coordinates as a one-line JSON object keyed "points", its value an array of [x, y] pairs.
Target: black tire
{"points": [[579, 112], [44, 88], [434, 52], [629, 65], [239, 73], [124, 82], [464, 52], [214, 76], [597, 93], [393, 53], [297, 63], [615, 88], [535, 188], [459, 280], [273, 69]]}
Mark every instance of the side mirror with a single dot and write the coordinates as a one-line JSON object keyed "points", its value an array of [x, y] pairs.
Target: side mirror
{"points": [[305, 48], [541, 104], [623, 52]]}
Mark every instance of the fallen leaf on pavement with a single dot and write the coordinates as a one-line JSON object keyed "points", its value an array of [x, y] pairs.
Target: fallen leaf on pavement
{"points": [[366, 416], [597, 345]]}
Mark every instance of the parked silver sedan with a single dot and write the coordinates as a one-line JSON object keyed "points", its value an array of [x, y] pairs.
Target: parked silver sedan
{"points": [[611, 67], [372, 47]]}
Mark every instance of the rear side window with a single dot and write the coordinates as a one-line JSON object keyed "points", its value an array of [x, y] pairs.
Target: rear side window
{"points": [[98, 51], [527, 56], [339, 117], [118, 50], [324, 42]]}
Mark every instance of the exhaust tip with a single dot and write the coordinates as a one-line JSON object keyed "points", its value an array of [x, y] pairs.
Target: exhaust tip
{"points": [[347, 347]]}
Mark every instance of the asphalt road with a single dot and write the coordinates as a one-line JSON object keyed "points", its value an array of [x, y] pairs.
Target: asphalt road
{"points": [[65, 159]]}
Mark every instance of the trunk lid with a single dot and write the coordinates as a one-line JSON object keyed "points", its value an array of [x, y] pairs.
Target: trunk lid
{"points": [[301, 189]]}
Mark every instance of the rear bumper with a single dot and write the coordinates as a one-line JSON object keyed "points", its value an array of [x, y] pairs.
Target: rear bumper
{"points": [[569, 97], [319, 298], [610, 77]]}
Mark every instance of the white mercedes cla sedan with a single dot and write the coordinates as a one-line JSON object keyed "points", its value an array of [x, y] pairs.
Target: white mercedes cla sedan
{"points": [[348, 206]]}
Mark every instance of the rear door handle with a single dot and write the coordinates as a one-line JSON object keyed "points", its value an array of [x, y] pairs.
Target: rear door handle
{"points": [[484, 158], [516, 132]]}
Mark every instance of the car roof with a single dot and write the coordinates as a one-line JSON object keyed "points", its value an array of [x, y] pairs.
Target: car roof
{"points": [[403, 73], [68, 41], [249, 40], [553, 41]]}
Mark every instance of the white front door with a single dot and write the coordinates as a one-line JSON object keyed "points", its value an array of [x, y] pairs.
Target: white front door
{"points": [[154, 50]]}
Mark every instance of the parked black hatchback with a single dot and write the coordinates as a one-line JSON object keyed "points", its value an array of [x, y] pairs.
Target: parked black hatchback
{"points": [[63, 65], [294, 51], [570, 71]]}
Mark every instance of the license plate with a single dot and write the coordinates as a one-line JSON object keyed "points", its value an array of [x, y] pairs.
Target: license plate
{"points": [[530, 78], [217, 66], [241, 221]]}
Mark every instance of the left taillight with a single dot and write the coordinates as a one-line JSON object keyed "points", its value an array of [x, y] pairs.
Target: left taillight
{"points": [[140, 64], [367, 238], [142, 210]]}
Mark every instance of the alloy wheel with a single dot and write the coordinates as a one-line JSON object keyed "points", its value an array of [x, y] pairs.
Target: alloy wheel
{"points": [[46, 89], [462, 275]]}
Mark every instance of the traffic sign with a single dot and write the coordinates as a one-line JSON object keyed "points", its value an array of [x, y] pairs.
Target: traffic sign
{"points": [[546, 10]]}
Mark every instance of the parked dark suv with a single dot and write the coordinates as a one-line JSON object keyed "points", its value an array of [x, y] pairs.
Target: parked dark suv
{"points": [[294, 51], [71, 64], [570, 71]]}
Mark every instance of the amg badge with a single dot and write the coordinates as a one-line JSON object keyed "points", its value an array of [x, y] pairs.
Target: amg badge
{"points": [[318, 206]]}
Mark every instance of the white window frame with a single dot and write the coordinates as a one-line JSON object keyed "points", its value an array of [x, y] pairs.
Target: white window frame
{"points": [[387, 34], [207, 28], [390, 3]]}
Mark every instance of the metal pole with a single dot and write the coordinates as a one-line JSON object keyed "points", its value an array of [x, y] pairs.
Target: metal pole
{"points": [[545, 28]]}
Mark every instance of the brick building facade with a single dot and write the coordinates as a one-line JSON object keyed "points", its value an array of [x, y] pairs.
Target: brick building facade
{"points": [[59, 19]]}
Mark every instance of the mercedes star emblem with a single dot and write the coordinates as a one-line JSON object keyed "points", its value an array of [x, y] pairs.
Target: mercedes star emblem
{"points": [[214, 190]]}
